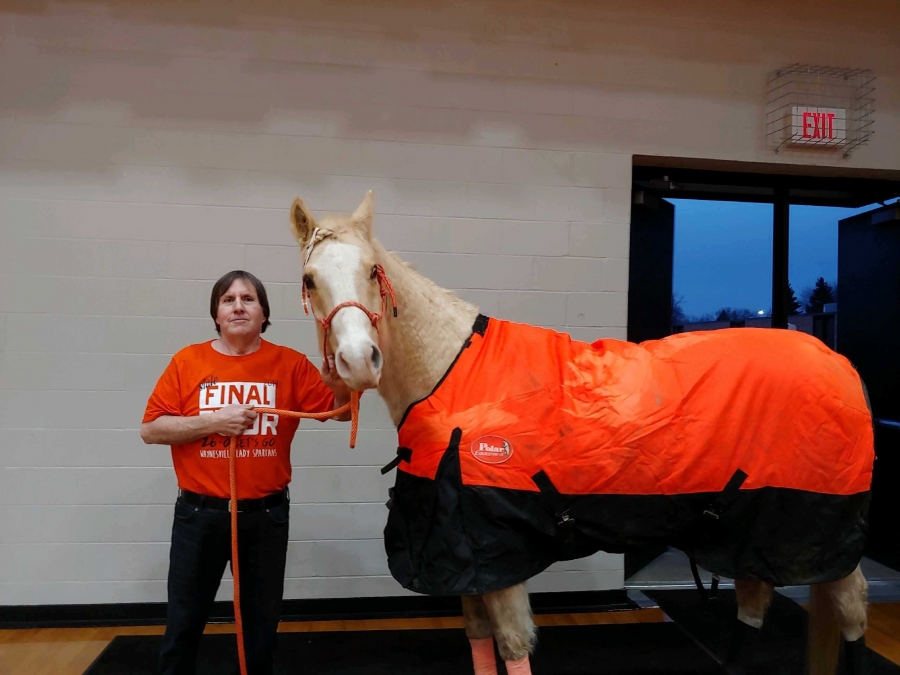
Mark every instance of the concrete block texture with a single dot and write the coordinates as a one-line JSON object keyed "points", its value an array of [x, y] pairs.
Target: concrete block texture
{"points": [[145, 151]]}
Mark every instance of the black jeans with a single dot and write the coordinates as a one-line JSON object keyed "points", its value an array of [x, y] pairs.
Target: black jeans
{"points": [[201, 547]]}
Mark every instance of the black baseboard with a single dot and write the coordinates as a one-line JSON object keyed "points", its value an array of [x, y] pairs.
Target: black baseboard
{"points": [[319, 609]]}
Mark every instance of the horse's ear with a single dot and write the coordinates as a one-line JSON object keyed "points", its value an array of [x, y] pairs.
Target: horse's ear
{"points": [[302, 221], [362, 217]]}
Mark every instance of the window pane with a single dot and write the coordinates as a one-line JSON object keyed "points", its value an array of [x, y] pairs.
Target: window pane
{"points": [[722, 268], [812, 268]]}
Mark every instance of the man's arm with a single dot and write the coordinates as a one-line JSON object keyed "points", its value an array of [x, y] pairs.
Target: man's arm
{"points": [[231, 420]]}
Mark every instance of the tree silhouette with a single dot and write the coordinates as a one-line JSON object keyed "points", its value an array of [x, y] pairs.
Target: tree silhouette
{"points": [[733, 314], [794, 305], [679, 318], [821, 295]]}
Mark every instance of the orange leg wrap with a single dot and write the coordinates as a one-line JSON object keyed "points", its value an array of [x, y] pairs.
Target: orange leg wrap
{"points": [[483, 656], [520, 667]]}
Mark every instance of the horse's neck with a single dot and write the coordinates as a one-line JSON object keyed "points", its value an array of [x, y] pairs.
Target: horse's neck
{"points": [[421, 342]]}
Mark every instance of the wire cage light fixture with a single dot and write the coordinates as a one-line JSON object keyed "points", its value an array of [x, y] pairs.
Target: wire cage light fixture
{"points": [[819, 108]]}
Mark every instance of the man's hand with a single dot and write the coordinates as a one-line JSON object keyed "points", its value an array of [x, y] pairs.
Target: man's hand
{"points": [[233, 420], [334, 382]]}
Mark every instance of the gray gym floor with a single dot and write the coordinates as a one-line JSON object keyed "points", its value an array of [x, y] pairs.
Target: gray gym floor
{"points": [[671, 570]]}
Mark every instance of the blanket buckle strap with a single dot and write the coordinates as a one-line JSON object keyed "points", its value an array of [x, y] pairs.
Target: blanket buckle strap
{"points": [[726, 496], [713, 593], [714, 512], [565, 525], [403, 455]]}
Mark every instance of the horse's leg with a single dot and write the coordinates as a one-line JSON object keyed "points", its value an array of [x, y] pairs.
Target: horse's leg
{"points": [[838, 609], [510, 613], [480, 634], [850, 596], [753, 598]]}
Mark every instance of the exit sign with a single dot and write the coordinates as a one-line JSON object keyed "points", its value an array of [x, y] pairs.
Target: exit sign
{"points": [[818, 126]]}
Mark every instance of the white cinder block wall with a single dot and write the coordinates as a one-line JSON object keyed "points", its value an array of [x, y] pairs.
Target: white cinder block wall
{"points": [[145, 149]]}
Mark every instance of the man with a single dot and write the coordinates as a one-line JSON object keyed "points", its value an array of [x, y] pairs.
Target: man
{"points": [[203, 405]]}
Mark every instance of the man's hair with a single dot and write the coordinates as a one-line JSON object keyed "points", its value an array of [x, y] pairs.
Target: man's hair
{"points": [[222, 286]]}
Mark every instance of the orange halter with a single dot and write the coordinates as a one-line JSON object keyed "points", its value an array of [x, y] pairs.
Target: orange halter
{"points": [[384, 287]]}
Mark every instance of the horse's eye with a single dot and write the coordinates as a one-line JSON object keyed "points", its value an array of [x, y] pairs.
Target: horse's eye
{"points": [[308, 282], [374, 274]]}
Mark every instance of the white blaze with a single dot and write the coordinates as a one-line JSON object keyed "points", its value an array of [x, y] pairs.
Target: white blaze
{"points": [[338, 265]]}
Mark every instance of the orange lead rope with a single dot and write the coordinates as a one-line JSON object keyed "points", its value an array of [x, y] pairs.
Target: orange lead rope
{"points": [[353, 406], [235, 573]]}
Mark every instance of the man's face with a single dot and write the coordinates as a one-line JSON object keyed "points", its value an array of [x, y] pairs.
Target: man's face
{"points": [[240, 314]]}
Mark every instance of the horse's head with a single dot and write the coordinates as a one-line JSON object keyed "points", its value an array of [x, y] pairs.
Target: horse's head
{"points": [[344, 288]]}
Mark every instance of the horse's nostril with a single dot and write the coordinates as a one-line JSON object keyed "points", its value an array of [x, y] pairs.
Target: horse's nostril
{"points": [[376, 357], [342, 361]]}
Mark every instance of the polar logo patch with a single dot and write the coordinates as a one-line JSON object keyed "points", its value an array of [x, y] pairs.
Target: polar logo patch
{"points": [[491, 449]]}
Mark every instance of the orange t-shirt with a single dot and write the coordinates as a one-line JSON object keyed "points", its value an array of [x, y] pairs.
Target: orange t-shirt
{"points": [[200, 380]]}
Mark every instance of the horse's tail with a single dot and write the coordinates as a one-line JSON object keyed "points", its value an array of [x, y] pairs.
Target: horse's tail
{"points": [[824, 633]]}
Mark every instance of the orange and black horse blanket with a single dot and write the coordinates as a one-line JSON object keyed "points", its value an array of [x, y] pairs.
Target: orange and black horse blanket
{"points": [[749, 449]]}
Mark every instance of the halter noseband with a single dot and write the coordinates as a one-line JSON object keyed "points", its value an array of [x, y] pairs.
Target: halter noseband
{"points": [[384, 287]]}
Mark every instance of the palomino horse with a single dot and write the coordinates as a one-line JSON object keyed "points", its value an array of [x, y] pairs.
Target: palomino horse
{"points": [[354, 288]]}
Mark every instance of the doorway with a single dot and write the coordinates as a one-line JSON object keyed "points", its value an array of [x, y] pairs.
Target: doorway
{"points": [[734, 246]]}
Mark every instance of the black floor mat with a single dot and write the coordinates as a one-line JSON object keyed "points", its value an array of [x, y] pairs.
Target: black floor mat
{"points": [[616, 649], [778, 648]]}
